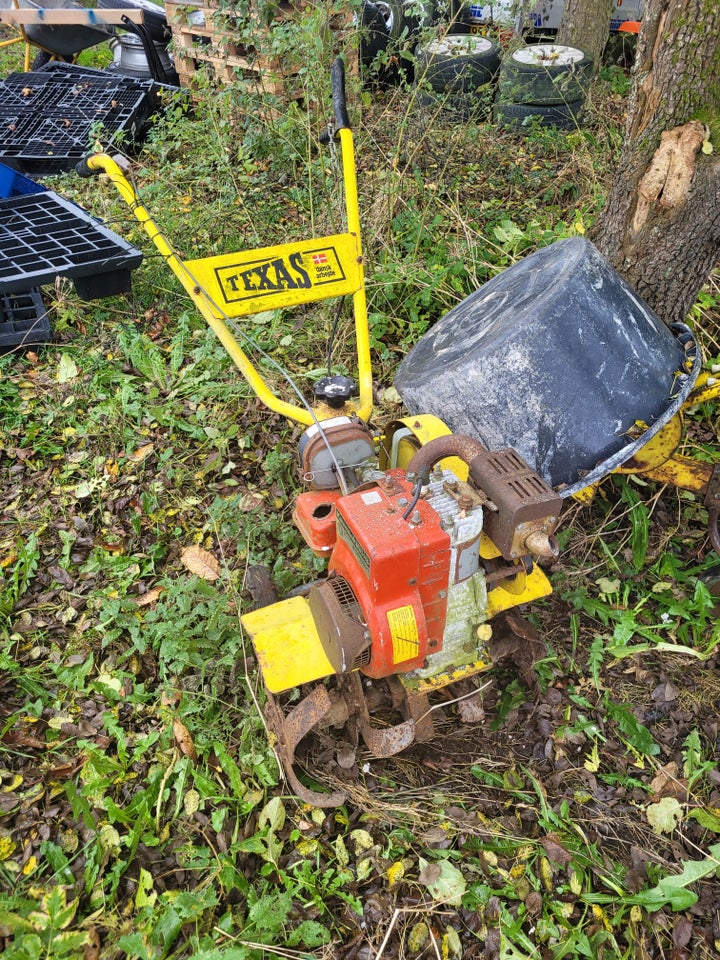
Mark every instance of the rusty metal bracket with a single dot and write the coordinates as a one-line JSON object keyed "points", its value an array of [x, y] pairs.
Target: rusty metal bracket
{"points": [[380, 741], [289, 730]]}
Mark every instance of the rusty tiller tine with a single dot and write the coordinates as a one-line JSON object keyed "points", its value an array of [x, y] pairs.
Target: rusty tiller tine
{"points": [[291, 729], [381, 742]]}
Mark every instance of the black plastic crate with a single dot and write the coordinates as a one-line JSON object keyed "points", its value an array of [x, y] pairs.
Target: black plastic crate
{"points": [[74, 73], [43, 236], [23, 320], [48, 118]]}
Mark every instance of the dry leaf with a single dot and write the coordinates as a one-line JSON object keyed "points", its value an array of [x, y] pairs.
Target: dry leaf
{"points": [[142, 453], [183, 739], [150, 597], [170, 698], [200, 562], [93, 945], [556, 852]]}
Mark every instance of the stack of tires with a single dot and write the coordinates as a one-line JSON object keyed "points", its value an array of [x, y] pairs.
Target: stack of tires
{"points": [[543, 84], [457, 73]]}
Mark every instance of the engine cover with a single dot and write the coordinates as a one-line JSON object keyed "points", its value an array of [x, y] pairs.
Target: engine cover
{"points": [[399, 571]]}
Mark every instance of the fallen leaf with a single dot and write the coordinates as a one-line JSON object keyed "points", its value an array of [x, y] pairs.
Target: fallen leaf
{"points": [[200, 562], [361, 840], [664, 815], [395, 873], [92, 948], [667, 783], [151, 596], [142, 453], [184, 740], [444, 881], [556, 852], [67, 369], [451, 946], [418, 937]]}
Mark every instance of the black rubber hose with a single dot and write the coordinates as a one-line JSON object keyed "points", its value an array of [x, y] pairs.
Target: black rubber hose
{"points": [[157, 70], [337, 78], [423, 477], [452, 445]]}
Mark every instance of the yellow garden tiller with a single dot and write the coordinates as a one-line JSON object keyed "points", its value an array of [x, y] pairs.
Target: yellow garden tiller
{"points": [[433, 528]]}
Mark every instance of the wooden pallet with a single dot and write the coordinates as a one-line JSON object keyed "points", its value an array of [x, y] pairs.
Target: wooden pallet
{"points": [[230, 70], [212, 38]]}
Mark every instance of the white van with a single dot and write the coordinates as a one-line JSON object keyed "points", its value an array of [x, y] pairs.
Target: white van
{"points": [[545, 14]]}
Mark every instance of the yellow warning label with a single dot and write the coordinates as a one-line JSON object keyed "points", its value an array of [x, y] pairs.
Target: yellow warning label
{"points": [[404, 632]]}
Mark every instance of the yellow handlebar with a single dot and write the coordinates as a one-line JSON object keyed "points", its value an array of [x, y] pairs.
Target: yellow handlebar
{"points": [[218, 302]]}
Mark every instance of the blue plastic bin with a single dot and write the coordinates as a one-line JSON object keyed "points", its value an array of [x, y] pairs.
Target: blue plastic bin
{"points": [[14, 184]]}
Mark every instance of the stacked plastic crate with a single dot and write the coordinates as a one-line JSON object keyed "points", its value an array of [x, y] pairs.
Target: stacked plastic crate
{"points": [[43, 236], [23, 317], [50, 116]]}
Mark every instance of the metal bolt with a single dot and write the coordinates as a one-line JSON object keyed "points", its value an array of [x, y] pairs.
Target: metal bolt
{"points": [[403, 502], [416, 518], [442, 594]]}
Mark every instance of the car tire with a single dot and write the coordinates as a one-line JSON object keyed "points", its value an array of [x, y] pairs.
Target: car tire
{"points": [[404, 18], [473, 105], [523, 116], [42, 57], [457, 63], [373, 34], [545, 73]]}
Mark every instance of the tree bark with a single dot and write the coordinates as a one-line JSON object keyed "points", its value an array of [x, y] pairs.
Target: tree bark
{"points": [[660, 226], [585, 24]]}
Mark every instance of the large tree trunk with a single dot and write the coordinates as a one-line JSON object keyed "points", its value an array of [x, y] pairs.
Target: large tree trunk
{"points": [[660, 226], [585, 24]]}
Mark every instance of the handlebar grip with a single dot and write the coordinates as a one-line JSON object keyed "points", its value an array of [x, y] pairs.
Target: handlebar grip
{"points": [[83, 170], [337, 76]]}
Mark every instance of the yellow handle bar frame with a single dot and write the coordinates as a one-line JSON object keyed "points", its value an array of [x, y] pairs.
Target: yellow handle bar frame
{"points": [[235, 285]]}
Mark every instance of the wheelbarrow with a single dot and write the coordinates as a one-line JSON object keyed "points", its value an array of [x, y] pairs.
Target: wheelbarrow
{"points": [[53, 40], [62, 29]]}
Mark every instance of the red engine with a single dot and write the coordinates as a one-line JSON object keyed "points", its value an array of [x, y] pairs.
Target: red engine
{"points": [[383, 606]]}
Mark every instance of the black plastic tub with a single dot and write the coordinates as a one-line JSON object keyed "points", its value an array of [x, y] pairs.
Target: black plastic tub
{"points": [[558, 358]]}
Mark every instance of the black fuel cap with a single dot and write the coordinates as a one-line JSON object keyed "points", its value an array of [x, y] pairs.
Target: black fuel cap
{"points": [[335, 390]]}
